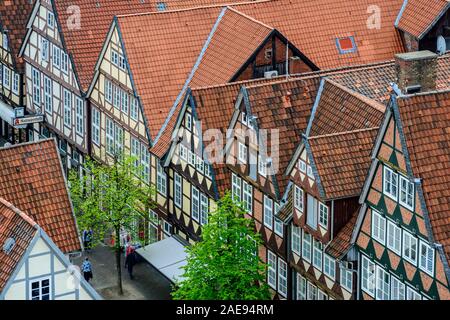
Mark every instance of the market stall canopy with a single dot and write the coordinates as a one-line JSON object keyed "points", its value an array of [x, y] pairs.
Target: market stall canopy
{"points": [[168, 256]]}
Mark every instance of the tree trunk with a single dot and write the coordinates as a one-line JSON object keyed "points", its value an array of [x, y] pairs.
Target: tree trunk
{"points": [[118, 264]]}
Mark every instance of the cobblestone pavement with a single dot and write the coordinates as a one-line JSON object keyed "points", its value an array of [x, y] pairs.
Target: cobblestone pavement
{"points": [[147, 283]]}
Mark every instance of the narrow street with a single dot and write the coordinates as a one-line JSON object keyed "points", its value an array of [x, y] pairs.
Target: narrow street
{"points": [[148, 283]]}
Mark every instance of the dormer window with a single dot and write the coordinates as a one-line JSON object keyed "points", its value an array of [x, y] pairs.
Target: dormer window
{"points": [[346, 45]]}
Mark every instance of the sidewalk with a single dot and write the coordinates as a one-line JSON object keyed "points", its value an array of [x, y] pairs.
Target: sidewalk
{"points": [[148, 283]]}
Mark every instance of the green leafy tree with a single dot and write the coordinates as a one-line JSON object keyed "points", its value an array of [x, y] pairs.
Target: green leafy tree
{"points": [[108, 199], [225, 265]]}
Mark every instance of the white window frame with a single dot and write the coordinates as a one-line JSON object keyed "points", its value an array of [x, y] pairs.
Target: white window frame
{"points": [[125, 101], [108, 90], [145, 163], [115, 58], [425, 263], [247, 196], [200, 165], [317, 254], [36, 78], [268, 212], [296, 239], [161, 179], [45, 48], [116, 97], [413, 241], [306, 246], [182, 152], [383, 284], [397, 289], [67, 108], [192, 158], [282, 277], [64, 62], [56, 59], [346, 279], [134, 108], [394, 237], [135, 150], [79, 115], [301, 287], [188, 121], [50, 19], [262, 166], [388, 184], [312, 291], [310, 172], [368, 276], [40, 280], [378, 230], [15, 83], [236, 183], [6, 77], [242, 153], [271, 269], [321, 295], [323, 215], [312, 212], [178, 190], [329, 266], [204, 208], [410, 293], [299, 197], [109, 136], [406, 191], [195, 210], [302, 166], [278, 226], [5, 41], [96, 126], [48, 94], [118, 139]]}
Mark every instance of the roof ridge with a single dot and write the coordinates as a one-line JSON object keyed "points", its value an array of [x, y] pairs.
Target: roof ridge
{"points": [[17, 211], [426, 93], [198, 7], [343, 133], [369, 101], [251, 18]]}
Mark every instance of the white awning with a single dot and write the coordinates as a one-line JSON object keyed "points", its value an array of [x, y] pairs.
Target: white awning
{"points": [[168, 256], [6, 113]]}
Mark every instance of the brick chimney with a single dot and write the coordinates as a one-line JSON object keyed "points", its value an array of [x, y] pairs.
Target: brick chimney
{"points": [[416, 71]]}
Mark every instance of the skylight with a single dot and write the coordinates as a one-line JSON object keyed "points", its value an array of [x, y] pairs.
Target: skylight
{"points": [[346, 45]]}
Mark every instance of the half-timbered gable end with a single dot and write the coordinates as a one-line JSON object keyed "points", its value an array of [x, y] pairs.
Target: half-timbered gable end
{"points": [[33, 267], [13, 20], [401, 226]]}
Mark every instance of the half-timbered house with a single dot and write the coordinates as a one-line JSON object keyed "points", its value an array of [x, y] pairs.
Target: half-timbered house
{"points": [[135, 101], [61, 47], [13, 20], [400, 234]]}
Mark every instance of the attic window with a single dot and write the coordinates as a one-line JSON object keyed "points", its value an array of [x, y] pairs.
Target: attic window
{"points": [[161, 6], [346, 45]]}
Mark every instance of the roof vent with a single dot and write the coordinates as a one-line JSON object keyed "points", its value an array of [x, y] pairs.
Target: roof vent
{"points": [[8, 245], [346, 45]]}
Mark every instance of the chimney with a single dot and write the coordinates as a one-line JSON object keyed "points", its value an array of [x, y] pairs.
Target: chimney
{"points": [[416, 71]]}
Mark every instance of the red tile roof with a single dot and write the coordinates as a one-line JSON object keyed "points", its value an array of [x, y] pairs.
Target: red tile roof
{"points": [[284, 106], [420, 15], [341, 109], [14, 16], [314, 25], [425, 119], [31, 177], [343, 160], [16, 225], [342, 242], [200, 47], [85, 43]]}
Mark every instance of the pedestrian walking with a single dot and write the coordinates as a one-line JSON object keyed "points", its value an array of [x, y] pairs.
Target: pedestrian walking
{"points": [[86, 267], [130, 261], [87, 239]]}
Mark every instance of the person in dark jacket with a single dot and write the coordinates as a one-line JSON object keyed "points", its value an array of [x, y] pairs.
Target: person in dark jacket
{"points": [[86, 267], [130, 261]]}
